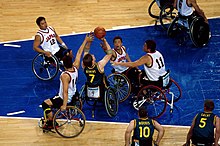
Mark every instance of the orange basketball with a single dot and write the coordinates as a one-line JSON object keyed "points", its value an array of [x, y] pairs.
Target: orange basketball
{"points": [[99, 32]]}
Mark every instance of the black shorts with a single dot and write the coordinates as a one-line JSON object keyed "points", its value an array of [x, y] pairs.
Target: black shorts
{"points": [[57, 101], [206, 141], [145, 81], [146, 142], [60, 53]]}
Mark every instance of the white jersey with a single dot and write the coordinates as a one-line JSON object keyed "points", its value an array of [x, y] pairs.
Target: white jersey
{"points": [[72, 85], [157, 68], [183, 8], [120, 58], [48, 40]]}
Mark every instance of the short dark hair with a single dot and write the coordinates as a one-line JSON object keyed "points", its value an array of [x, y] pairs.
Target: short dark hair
{"points": [[87, 60], [142, 112], [117, 37], [209, 105], [67, 61], [151, 44], [39, 19]]}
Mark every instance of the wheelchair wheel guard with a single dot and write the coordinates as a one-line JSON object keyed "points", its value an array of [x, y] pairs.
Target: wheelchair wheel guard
{"points": [[199, 32]]}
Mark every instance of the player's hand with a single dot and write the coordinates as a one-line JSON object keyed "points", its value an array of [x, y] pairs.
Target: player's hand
{"points": [[186, 144], [113, 63], [156, 143], [48, 54], [63, 45], [63, 107], [89, 37], [104, 47]]}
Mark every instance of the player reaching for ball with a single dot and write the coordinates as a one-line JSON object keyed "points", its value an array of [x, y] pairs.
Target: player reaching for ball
{"points": [[120, 54], [93, 70]]}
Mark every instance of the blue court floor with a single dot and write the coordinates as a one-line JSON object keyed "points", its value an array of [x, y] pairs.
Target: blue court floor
{"points": [[197, 70]]}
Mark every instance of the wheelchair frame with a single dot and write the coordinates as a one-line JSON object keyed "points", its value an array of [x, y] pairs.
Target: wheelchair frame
{"points": [[156, 99], [165, 12], [111, 105], [72, 118]]}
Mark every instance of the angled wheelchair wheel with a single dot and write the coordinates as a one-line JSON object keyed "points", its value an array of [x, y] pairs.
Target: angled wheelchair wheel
{"points": [[173, 28], [82, 94], [121, 85], [69, 123], [167, 14], [45, 68], [111, 102], [153, 99], [154, 10], [174, 91], [199, 32]]}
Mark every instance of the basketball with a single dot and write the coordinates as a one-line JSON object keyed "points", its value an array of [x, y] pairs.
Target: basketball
{"points": [[99, 32]]}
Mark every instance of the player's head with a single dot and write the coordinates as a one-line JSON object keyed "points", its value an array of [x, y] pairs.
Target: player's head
{"points": [[117, 42], [41, 22], [149, 46], [88, 60], [142, 112], [67, 61], [209, 105]]}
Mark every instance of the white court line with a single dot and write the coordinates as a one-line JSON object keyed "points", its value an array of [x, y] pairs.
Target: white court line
{"points": [[11, 45], [101, 122], [74, 33], [15, 113], [121, 27]]}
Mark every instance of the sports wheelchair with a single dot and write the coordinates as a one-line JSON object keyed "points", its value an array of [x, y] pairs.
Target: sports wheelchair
{"points": [[68, 124], [194, 26], [156, 98], [117, 91], [45, 68], [163, 11]]}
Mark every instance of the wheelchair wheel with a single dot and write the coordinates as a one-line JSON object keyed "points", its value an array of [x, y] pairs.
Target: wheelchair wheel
{"points": [[153, 99], [173, 28], [121, 85], [175, 90], [82, 94], [199, 32], [111, 102], [69, 123], [167, 14], [45, 68], [153, 10]]}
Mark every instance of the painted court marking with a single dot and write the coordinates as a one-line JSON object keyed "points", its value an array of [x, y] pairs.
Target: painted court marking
{"points": [[11, 45], [15, 113]]}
